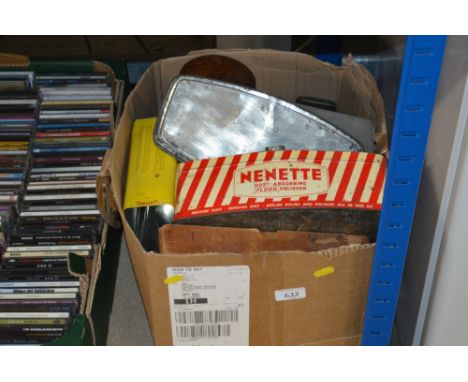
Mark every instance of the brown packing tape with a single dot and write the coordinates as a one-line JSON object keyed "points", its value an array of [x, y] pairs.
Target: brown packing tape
{"points": [[13, 60]]}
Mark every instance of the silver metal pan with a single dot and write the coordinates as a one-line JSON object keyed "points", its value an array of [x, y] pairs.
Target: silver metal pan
{"points": [[204, 118]]}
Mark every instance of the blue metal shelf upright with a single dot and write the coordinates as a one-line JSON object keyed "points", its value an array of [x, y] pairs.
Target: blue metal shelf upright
{"points": [[418, 87]]}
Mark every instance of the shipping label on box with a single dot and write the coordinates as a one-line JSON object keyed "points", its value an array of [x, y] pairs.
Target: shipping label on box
{"points": [[209, 305], [280, 180]]}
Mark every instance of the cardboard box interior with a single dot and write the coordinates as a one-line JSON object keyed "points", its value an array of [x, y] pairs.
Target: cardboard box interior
{"points": [[333, 310]]}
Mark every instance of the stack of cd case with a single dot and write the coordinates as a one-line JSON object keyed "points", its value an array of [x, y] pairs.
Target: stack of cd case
{"points": [[18, 103], [57, 213], [72, 135], [38, 299]]}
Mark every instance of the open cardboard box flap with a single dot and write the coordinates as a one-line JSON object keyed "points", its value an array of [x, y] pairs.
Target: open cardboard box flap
{"points": [[333, 310]]}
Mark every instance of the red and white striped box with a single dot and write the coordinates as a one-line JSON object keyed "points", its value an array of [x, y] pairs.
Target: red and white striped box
{"points": [[280, 180]]}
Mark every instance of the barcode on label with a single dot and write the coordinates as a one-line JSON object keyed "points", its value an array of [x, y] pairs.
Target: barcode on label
{"points": [[207, 316], [203, 331]]}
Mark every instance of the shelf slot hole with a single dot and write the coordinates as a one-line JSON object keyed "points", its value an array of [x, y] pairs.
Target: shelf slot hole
{"points": [[398, 204], [424, 52], [390, 245], [409, 134], [384, 283], [401, 182], [381, 300], [406, 158], [414, 108], [419, 80]]}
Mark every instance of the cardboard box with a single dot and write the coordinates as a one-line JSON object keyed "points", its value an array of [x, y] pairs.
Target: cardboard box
{"points": [[285, 298]]}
